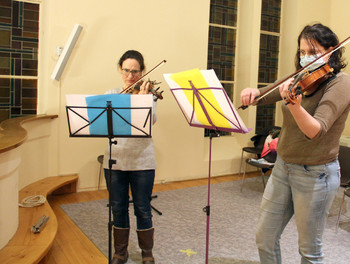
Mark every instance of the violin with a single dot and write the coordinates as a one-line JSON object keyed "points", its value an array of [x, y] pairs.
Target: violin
{"points": [[310, 84], [136, 89], [307, 83], [131, 88]]}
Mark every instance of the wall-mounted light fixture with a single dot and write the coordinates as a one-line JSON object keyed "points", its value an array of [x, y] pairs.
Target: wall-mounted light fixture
{"points": [[67, 50]]}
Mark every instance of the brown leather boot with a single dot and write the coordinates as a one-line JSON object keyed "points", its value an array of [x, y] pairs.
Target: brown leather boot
{"points": [[121, 241], [145, 238]]}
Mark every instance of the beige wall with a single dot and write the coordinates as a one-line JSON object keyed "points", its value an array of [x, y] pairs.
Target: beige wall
{"points": [[171, 30], [340, 20], [161, 29]]}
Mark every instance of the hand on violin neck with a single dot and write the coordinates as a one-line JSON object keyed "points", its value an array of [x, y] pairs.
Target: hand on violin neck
{"points": [[284, 87], [145, 88], [290, 92]]}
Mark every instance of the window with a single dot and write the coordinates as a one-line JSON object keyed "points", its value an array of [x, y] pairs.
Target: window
{"points": [[268, 57], [222, 44], [19, 39]]}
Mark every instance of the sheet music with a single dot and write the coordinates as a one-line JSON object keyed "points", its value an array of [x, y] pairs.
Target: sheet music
{"points": [[131, 114], [206, 104]]}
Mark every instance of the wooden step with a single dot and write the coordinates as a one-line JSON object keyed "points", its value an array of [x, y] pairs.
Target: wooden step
{"points": [[25, 246]]}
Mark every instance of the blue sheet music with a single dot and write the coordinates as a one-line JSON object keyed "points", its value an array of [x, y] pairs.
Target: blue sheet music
{"points": [[121, 117]]}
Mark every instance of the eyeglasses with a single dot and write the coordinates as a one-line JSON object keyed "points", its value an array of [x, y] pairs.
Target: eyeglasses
{"points": [[133, 72]]}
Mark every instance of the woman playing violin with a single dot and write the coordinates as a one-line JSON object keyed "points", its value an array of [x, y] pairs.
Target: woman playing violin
{"points": [[306, 175], [135, 167]]}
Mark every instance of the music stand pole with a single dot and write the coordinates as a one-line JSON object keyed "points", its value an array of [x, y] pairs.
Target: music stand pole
{"points": [[110, 165], [213, 133]]}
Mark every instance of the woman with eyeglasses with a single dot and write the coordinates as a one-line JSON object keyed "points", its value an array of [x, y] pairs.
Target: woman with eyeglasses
{"points": [[135, 168], [306, 175]]}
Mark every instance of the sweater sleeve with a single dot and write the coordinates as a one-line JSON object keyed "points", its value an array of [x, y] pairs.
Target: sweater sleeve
{"points": [[334, 102], [272, 97]]}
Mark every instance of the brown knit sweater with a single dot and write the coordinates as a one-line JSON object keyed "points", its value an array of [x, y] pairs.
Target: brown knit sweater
{"points": [[330, 106]]}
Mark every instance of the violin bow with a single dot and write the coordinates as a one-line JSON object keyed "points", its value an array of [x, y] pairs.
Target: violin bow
{"points": [[297, 73], [132, 85]]}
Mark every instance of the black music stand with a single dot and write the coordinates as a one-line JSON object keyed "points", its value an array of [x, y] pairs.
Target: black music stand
{"points": [[99, 121], [207, 107]]}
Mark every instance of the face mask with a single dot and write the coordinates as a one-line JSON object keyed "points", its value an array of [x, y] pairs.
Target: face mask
{"points": [[307, 59]]}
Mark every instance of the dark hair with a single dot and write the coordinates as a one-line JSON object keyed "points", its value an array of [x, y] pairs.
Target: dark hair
{"points": [[326, 38], [132, 54]]}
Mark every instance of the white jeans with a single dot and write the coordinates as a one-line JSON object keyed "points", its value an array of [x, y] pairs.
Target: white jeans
{"points": [[304, 191]]}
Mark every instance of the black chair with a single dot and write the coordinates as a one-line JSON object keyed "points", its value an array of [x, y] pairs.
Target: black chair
{"points": [[345, 193], [344, 162], [265, 164], [259, 140], [264, 167], [100, 160], [268, 162]]}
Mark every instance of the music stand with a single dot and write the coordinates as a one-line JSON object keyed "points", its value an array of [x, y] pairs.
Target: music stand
{"points": [[95, 116], [208, 107]]}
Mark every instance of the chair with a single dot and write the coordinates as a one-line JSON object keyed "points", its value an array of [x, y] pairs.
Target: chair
{"points": [[263, 166], [100, 160], [258, 146], [259, 140], [344, 162], [344, 155], [346, 193]]}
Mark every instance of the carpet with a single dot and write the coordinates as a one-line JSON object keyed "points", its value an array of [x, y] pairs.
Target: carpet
{"points": [[180, 232]]}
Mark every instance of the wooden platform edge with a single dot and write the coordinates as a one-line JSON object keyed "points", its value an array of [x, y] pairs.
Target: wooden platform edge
{"points": [[12, 133], [25, 247]]}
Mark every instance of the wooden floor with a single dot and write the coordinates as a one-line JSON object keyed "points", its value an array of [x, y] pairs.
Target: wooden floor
{"points": [[72, 246]]}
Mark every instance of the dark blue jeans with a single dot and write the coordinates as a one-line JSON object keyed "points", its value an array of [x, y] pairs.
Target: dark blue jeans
{"points": [[141, 185]]}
